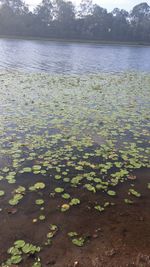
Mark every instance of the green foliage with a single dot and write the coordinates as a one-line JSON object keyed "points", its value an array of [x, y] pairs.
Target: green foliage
{"points": [[134, 192], [39, 201], [99, 208], [119, 25], [111, 193], [78, 241], [74, 201], [59, 190]]}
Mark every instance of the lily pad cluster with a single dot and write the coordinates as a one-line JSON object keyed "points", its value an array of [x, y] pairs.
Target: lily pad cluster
{"points": [[18, 250], [77, 240], [53, 229]]}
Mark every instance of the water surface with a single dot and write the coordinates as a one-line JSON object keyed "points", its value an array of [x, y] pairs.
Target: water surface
{"points": [[72, 58]]}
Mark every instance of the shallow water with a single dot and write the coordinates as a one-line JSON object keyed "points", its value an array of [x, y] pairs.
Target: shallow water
{"points": [[72, 58], [72, 149]]}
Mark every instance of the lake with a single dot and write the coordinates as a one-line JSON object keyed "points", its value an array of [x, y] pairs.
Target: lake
{"points": [[74, 155], [72, 58]]}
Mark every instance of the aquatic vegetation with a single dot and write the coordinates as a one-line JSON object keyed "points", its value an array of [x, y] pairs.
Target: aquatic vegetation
{"points": [[37, 264], [65, 207], [74, 201], [134, 192], [37, 186], [65, 196], [39, 201], [78, 241], [89, 187], [71, 141], [59, 190], [128, 201], [53, 231], [27, 169], [72, 234], [20, 190], [20, 247], [15, 200], [111, 193], [2, 193], [99, 208]]}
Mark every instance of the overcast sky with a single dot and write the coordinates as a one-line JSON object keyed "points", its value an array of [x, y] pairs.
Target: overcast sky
{"points": [[109, 4]]}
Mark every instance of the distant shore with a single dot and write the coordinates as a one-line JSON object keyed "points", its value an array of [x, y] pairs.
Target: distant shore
{"points": [[82, 41]]}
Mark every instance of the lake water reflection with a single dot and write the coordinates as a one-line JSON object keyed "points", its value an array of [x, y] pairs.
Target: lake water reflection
{"points": [[71, 58]]}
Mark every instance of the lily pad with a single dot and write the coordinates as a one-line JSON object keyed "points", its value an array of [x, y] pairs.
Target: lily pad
{"points": [[134, 192], [65, 207], [39, 201], [78, 241], [59, 189], [74, 201], [2, 193], [65, 196], [111, 193], [19, 243]]}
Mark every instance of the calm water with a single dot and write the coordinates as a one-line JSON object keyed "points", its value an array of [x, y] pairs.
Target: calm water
{"points": [[59, 57]]}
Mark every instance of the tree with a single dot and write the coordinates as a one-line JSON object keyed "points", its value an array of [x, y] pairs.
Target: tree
{"points": [[85, 8], [44, 11], [64, 11], [56, 18], [140, 11], [17, 6]]}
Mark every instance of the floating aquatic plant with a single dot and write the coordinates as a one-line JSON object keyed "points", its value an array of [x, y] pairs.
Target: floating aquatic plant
{"points": [[65, 196], [39, 201], [78, 241], [59, 190], [2, 193], [74, 201], [134, 192], [111, 193], [65, 207], [72, 138], [99, 208]]}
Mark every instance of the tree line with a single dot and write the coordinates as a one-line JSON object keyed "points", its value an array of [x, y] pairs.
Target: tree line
{"points": [[61, 19]]}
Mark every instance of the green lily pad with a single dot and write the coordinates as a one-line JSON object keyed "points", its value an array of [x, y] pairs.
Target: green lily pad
{"points": [[78, 241], [37, 264], [19, 243], [74, 201], [111, 193], [27, 169], [59, 189], [15, 259], [53, 227], [42, 217], [65, 196], [72, 234], [36, 167], [39, 201], [128, 201], [99, 208], [2, 193], [39, 185], [134, 192], [65, 207]]}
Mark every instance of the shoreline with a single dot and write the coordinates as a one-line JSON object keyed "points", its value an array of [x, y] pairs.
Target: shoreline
{"points": [[79, 41]]}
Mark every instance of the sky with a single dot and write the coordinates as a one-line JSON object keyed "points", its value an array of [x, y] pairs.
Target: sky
{"points": [[109, 4]]}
